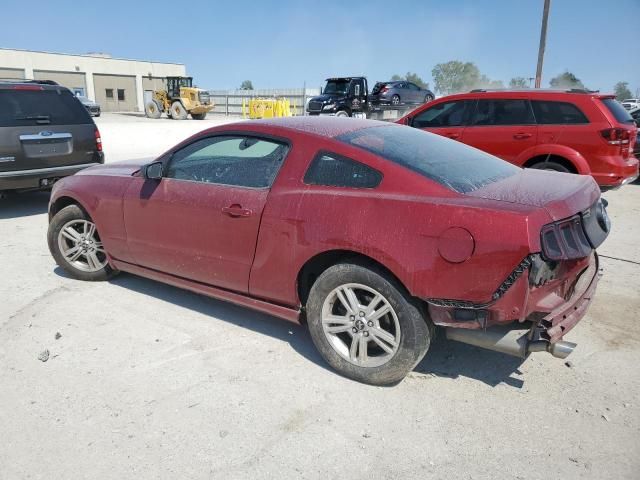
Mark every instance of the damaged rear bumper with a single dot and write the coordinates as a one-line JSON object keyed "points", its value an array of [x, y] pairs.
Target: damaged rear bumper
{"points": [[549, 319]]}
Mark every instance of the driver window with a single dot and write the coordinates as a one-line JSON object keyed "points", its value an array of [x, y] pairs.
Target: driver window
{"points": [[225, 160], [448, 114]]}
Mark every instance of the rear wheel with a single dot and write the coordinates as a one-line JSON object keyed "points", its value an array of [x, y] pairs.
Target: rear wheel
{"points": [[76, 246], [152, 110], [199, 116], [428, 98], [550, 165], [365, 326], [178, 112], [395, 100]]}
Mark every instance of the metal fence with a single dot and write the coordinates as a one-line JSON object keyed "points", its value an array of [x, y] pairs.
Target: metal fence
{"points": [[229, 102]]}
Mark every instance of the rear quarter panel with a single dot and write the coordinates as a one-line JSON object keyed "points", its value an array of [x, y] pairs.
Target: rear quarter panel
{"points": [[398, 224]]}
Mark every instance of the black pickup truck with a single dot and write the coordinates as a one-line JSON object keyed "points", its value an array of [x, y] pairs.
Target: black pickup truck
{"points": [[349, 97]]}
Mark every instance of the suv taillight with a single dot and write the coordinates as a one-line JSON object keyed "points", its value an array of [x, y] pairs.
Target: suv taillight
{"points": [[98, 140], [384, 89], [616, 136]]}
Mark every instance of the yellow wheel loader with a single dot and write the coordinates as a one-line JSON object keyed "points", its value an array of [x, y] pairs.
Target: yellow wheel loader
{"points": [[179, 100]]}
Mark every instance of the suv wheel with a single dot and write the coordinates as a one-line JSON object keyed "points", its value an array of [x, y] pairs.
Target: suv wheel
{"points": [[395, 100], [342, 113], [551, 166], [75, 245], [365, 326]]}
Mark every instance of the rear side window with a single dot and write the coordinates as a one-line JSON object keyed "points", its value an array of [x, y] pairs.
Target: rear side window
{"points": [[450, 163], [617, 110], [503, 112], [448, 114], [334, 170], [20, 108], [557, 113]]}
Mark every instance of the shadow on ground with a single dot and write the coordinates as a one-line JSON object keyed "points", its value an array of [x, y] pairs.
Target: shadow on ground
{"points": [[445, 358], [15, 205]]}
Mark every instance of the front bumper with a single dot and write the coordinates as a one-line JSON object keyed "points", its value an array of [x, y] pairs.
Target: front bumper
{"points": [[33, 179]]}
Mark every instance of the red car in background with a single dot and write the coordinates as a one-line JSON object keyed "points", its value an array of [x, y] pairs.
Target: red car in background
{"points": [[573, 131], [371, 233]]}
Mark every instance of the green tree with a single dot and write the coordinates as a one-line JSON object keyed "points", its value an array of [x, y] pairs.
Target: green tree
{"points": [[518, 82], [566, 80], [486, 82], [455, 76], [396, 78], [621, 89], [246, 85]]}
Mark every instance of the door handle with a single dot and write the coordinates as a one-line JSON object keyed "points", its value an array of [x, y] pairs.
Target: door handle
{"points": [[453, 135], [522, 136], [237, 211]]}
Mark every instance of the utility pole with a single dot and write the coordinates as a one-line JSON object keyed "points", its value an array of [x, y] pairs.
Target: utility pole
{"points": [[543, 42]]}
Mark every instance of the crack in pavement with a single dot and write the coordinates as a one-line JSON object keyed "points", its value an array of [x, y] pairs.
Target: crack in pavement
{"points": [[620, 259]]}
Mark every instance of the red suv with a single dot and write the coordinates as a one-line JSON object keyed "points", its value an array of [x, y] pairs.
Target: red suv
{"points": [[564, 130]]}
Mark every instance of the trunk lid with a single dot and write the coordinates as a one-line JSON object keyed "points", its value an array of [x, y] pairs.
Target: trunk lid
{"points": [[560, 194]]}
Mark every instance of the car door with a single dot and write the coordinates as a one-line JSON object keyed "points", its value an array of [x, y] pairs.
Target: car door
{"points": [[502, 127], [444, 118], [414, 93], [201, 220]]}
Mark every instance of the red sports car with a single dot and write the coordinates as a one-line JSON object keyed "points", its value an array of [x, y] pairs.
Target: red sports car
{"points": [[371, 233]]}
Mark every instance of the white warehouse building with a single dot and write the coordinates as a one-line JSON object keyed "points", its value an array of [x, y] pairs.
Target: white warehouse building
{"points": [[117, 84]]}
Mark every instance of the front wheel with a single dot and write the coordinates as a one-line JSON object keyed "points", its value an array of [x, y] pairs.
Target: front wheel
{"points": [[76, 246], [365, 325], [178, 112], [199, 116], [342, 113]]}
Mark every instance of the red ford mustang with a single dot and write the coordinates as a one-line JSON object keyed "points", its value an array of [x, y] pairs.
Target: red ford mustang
{"points": [[371, 233]]}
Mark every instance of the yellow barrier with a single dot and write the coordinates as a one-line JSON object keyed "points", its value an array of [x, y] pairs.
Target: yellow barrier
{"points": [[266, 107]]}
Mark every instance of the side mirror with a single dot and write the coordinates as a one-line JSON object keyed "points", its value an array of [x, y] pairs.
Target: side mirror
{"points": [[153, 171]]}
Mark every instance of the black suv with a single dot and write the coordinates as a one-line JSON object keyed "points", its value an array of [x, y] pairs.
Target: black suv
{"points": [[45, 134]]}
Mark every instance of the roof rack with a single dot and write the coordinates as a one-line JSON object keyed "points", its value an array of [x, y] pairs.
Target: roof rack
{"points": [[28, 80], [559, 90]]}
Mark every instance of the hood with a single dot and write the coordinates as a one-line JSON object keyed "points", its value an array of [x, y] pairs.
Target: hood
{"points": [[560, 194], [117, 169], [327, 97], [89, 103]]}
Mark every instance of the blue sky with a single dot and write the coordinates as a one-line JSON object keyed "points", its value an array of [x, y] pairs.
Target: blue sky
{"points": [[285, 43]]}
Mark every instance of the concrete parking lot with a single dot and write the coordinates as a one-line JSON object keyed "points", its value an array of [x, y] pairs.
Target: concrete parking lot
{"points": [[144, 380]]}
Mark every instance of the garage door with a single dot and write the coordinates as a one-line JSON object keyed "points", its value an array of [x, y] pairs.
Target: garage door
{"points": [[11, 73], [116, 93], [74, 81]]}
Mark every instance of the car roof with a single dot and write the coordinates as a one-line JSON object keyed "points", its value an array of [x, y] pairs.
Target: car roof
{"points": [[318, 125], [527, 93]]}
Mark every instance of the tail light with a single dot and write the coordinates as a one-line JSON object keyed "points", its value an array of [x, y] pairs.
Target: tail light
{"points": [[384, 89], [98, 140], [565, 240], [616, 136]]}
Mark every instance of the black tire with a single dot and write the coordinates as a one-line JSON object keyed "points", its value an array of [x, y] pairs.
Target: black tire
{"points": [[414, 329], [199, 116], [152, 109], [342, 113], [395, 100], [63, 218], [551, 165], [178, 112], [97, 114]]}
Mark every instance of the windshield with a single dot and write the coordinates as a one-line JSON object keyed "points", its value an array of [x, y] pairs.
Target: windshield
{"points": [[336, 86], [450, 163]]}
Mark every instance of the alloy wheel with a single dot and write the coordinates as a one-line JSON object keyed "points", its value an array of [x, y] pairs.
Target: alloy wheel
{"points": [[81, 247], [361, 325]]}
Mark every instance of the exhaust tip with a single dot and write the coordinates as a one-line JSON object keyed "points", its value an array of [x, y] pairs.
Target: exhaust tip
{"points": [[561, 349]]}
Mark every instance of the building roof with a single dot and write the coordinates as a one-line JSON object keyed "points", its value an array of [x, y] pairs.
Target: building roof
{"points": [[100, 56]]}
